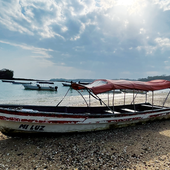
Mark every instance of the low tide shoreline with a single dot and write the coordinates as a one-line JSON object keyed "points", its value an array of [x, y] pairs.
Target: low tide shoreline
{"points": [[144, 146], [139, 147]]}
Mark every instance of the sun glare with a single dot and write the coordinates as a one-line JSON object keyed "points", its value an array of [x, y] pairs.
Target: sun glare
{"points": [[125, 2]]}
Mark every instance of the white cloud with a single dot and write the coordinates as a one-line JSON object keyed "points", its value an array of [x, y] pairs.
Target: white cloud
{"points": [[142, 31], [10, 13], [164, 4], [163, 42], [152, 73], [36, 50], [64, 29], [149, 49], [126, 23], [82, 28], [107, 3], [95, 34], [79, 48], [14, 26], [13, 14], [49, 19]]}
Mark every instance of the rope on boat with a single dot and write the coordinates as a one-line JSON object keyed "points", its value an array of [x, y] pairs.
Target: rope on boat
{"points": [[134, 97], [166, 99], [63, 97], [82, 97], [100, 100]]}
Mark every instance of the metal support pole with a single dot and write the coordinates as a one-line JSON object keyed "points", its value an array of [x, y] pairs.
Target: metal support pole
{"points": [[113, 100], [89, 100], [124, 98], [166, 99], [134, 101], [108, 98], [146, 95], [152, 98]]}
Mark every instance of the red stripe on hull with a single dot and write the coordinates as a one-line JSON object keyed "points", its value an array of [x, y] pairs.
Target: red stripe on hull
{"points": [[36, 121]]}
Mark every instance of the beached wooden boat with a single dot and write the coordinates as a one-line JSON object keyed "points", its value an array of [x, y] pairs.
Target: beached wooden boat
{"points": [[18, 119]]}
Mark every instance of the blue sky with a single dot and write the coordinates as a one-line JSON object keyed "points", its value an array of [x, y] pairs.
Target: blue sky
{"points": [[113, 39]]}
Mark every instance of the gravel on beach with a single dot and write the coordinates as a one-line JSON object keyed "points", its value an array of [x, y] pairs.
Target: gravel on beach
{"points": [[144, 146]]}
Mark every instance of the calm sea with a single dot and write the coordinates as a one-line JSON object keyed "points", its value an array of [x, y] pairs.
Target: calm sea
{"points": [[16, 94]]}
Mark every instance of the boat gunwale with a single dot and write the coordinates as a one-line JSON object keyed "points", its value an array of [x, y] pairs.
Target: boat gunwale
{"points": [[17, 110]]}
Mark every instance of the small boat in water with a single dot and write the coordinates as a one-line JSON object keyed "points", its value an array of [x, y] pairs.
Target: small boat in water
{"points": [[33, 119], [66, 84], [17, 82], [69, 83], [45, 82], [133, 91], [7, 81], [41, 86]]}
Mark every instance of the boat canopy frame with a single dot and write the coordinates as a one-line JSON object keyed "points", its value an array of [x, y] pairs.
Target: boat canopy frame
{"points": [[135, 86]]}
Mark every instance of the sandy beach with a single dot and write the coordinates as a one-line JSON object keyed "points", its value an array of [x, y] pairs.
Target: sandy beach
{"points": [[144, 146]]}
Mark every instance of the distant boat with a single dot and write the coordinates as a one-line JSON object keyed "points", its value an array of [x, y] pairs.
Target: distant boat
{"points": [[7, 81], [15, 82], [69, 83], [84, 83], [134, 91], [66, 84], [40, 86], [45, 82]]}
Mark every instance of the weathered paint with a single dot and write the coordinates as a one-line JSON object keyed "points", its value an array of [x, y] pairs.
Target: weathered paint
{"points": [[44, 124]]}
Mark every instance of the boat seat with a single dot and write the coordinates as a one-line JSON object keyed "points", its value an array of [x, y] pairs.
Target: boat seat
{"points": [[115, 112], [129, 110], [150, 106]]}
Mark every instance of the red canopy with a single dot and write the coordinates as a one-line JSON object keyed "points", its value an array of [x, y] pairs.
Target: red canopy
{"points": [[104, 85]]}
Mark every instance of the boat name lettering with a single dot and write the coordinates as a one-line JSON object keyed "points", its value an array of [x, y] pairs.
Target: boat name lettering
{"points": [[32, 127]]}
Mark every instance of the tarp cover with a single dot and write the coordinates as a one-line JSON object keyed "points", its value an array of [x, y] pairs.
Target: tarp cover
{"points": [[104, 85]]}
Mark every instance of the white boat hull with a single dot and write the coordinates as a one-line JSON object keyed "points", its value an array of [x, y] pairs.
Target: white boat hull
{"points": [[21, 123], [36, 87]]}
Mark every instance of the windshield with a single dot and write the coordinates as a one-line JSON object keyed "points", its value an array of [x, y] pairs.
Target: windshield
{"points": [[97, 83]]}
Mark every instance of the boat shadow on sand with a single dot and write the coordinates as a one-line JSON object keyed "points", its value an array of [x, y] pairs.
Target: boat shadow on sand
{"points": [[139, 146]]}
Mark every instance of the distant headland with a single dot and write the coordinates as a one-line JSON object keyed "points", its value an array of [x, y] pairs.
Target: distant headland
{"points": [[9, 75]]}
